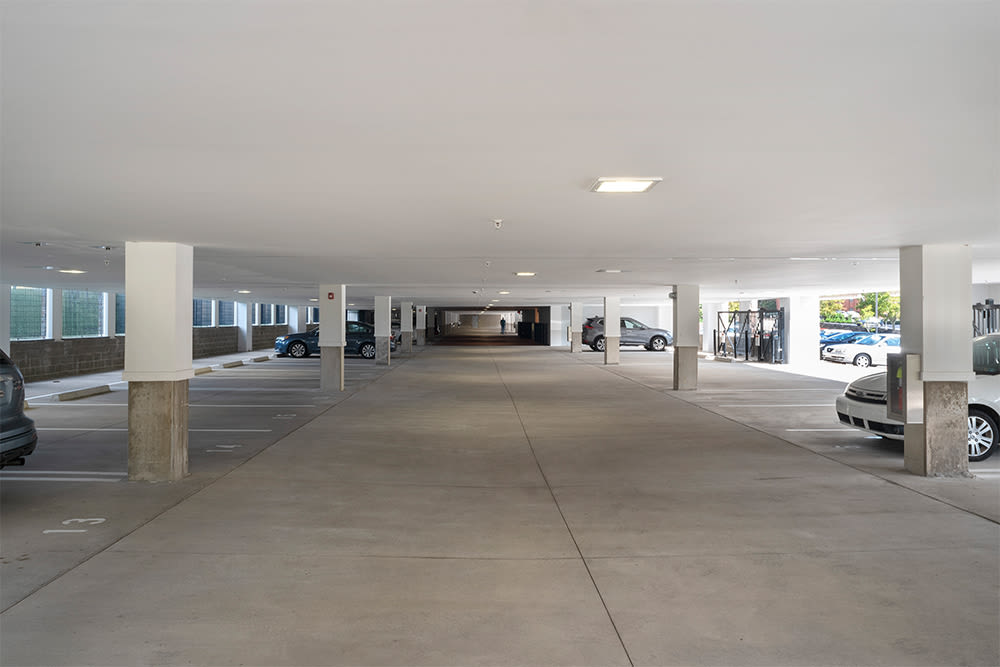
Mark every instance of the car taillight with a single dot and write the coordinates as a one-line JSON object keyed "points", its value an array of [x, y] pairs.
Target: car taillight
{"points": [[587, 326]]}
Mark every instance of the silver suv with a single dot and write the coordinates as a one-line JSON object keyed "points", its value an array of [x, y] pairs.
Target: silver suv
{"points": [[633, 332]]}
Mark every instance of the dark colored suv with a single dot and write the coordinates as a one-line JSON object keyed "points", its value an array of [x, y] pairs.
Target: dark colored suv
{"points": [[633, 332], [17, 432]]}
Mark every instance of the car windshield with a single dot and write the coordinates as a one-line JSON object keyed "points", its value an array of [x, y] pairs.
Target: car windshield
{"points": [[986, 355], [870, 340]]}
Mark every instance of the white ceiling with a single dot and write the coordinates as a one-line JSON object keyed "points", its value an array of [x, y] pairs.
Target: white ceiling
{"points": [[294, 143]]}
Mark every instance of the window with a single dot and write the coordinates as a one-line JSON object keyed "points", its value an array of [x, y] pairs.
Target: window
{"points": [[227, 313], [266, 315], [202, 314], [312, 315], [986, 356], [28, 313], [119, 314], [83, 314], [280, 314]]}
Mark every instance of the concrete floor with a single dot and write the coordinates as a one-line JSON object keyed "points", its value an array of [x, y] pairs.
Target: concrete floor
{"points": [[499, 506]]}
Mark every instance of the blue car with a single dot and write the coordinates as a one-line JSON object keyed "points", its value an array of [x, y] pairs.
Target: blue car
{"points": [[360, 340]]}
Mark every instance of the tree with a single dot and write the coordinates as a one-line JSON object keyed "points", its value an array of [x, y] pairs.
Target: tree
{"points": [[829, 308], [887, 306]]}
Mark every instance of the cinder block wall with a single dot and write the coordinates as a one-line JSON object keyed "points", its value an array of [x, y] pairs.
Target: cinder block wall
{"points": [[263, 336], [213, 341], [47, 359]]}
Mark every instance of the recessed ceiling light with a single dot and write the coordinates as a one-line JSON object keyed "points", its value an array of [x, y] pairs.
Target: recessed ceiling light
{"points": [[504, 291], [350, 304], [623, 184], [314, 299], [609, 270], [242, 291], [525, 274], [73, 271]]}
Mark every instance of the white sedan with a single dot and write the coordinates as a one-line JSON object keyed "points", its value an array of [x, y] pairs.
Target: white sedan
{"points": [[870, 351], [863, 404]]}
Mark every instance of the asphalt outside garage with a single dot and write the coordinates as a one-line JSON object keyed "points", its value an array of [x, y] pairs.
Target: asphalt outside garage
{"points": [[495, 506]]}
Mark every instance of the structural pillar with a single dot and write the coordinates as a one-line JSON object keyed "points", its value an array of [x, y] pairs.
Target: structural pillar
{"points": [[159, 290], [383, 329], [935, 307], [421, 329], [710, 324], [5, 317], [686, 337], [612, 329], [576, 327], [406, 326], [332, 336], [801, 330], [297, 319], [244, 325]]}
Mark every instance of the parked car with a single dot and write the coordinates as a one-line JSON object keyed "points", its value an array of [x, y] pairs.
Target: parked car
{"points": [[837, 337], [868, 351], [633, 332], [360, 337], [863, 403], [18, 436]]}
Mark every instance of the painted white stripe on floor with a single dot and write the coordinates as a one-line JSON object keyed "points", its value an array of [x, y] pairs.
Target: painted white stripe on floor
{"points": [[818, 430], [738, 391], [7, 478], [190, 405], [192, 430], [64, 472], [776, 405]]}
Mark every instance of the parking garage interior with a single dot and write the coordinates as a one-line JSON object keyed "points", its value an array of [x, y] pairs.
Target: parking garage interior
{"points": [[475, 495]]}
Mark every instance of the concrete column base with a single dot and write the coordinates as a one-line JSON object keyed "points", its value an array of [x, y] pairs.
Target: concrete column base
{"points": [[382, 350], [421, 337], [157, 431], [612, 350], [576, 342], [686, 368], [331, 368], [940, 446], [406, 342]]}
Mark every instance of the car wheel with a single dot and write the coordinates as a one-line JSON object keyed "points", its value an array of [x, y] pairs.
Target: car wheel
{"points": [[298, 350], [657, 344], [984, 436], [367, 350], [862, 361], [598, 344]]}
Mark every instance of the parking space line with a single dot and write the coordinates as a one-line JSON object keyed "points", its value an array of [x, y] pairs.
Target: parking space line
{"points": [[739, 391], [819, 430], [191, 405], [7, 477], [776, 405], [65, 472], [192, 430]]}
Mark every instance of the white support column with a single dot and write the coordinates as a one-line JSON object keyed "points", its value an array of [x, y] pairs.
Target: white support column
{"points": [[421, 327], [801, 330], [383, 329], [559, 323], [710, 323], [159, 289], [215, 313], [297, 319], [332, 336], [108, 321], [935, 297], [576, 327], [55, 310], [406, 326], [686, 337], [5, 317], [244, 326], [612, 330]]}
